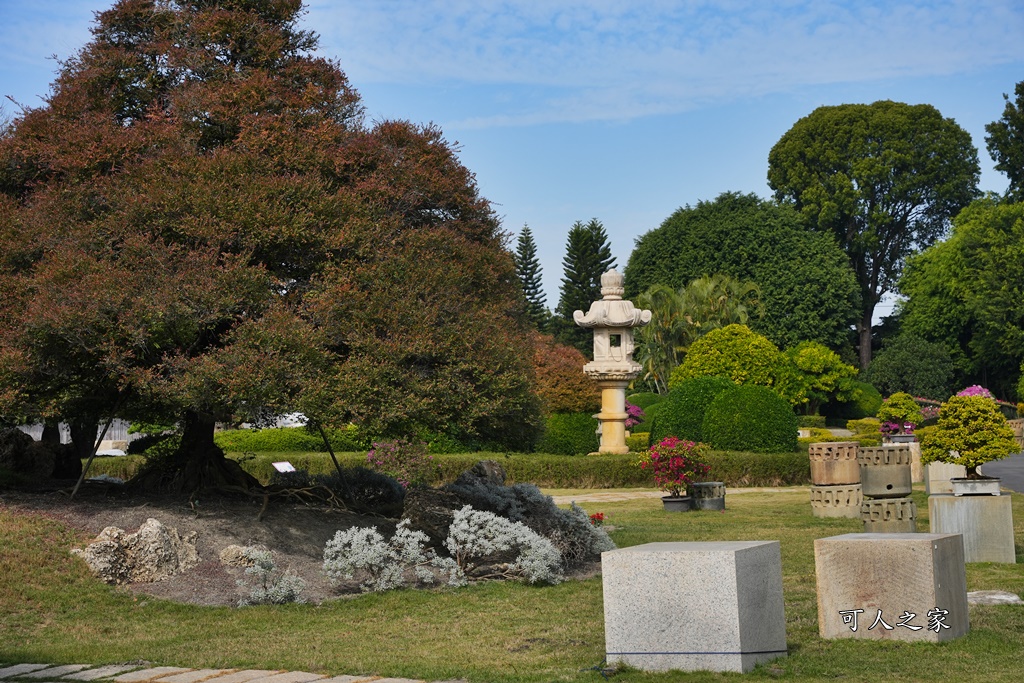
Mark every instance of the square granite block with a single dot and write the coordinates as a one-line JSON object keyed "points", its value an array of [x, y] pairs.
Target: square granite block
{"points": [[694, 606], [886, 586], [986, 523]]}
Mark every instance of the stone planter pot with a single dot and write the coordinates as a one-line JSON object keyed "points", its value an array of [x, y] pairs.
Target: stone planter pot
{"points": [[1017, 426], [976, 487], [707, 495], [677, 503], [834, 463], [902, 438], [885, 471]]}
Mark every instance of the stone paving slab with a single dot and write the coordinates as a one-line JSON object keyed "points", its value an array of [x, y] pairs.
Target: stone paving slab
{"points": [[290, 677], [243, 676], [102, 672], [57, 671], [150, 674], [20, 670], [195, 676]]}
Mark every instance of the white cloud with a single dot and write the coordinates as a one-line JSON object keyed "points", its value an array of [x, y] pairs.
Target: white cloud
{"points": [[614, 60]]}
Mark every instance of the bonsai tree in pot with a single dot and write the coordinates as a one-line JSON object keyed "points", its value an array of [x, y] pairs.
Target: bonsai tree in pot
{"points": [[971, 431], [899, 414], [676, 464]]}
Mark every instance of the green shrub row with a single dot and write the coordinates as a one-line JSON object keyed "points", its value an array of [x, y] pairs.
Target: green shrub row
{"points": [[289, 439], [569, 434], [550, 471], [808, 421]]}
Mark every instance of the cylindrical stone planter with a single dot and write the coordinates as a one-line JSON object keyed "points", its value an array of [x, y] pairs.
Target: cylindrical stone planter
{"points": [[677, 503], [834, 463], [707, 495], [1017, 426], [885, 471], [843, 500], [889, 515]]}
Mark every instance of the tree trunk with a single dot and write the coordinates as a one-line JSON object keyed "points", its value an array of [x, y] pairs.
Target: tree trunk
{"points": [[51, 432], [84, 431], [864, 337], [197, 464]]}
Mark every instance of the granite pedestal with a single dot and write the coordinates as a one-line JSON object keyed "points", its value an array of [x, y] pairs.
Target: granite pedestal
{"points": [[986, 523], [937, 477], [910, 587], [713, 606]]}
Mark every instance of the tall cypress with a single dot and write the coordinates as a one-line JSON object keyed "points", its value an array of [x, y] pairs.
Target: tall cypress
{"points": [[587, 257], [528, 269]]}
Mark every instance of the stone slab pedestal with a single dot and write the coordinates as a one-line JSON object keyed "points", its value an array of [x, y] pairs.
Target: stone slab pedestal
{"points": [[916, 468], [889, 515], [836, 501], [938, 474], [910, 587], [714, 606], [986, 523]]}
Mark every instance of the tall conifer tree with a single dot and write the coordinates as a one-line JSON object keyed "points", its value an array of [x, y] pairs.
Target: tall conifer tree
{"points": [[587, 256], [528, 269]]}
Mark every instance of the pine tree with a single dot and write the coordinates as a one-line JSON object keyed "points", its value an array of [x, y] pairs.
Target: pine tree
{"points": [[587, 257], [528, 270]]}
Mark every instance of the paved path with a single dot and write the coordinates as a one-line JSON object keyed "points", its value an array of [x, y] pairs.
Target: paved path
{"points": [[1010, 470], [136, 673], [615, 495]]}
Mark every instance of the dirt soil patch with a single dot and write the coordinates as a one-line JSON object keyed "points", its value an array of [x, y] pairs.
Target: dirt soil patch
{"points": [[294, 533]]}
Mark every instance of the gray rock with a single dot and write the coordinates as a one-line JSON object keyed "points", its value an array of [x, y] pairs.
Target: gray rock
{"points": [[153, 553]]}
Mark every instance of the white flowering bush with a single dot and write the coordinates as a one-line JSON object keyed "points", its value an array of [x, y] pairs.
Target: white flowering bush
{"points": [[385, 565], [266, 585], [476, 537]]}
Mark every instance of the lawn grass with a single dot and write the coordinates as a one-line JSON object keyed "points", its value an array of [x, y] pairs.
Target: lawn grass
{"points": [[54, 611]]}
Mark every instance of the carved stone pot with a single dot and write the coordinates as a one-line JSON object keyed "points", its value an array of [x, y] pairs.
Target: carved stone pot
{"points": [[885, 471], [834, 463], [707, 495]]}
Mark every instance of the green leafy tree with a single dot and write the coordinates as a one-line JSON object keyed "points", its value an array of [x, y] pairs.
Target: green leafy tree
{"points": [[680, 317], [734, 352], [966, 294], [813, 375], [914, 365], [900, 409], [1005, 142], [528, 270], [885, 179], [970, 432], [235, 242], [588, 256], [807, 289]]}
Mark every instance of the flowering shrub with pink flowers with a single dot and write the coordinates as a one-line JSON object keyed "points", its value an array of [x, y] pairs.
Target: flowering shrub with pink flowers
{"points": [[976, 390], [676, 464], [634, 415]]}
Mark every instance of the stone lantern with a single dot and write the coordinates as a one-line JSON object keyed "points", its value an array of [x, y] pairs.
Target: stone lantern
{"points": [[613, 367]]}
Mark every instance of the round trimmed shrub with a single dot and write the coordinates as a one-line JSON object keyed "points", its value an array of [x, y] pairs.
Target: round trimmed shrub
{"points": [[865, 404], [733, 351], [682, 414], [645, 399], [569, 434], [750, 418]]}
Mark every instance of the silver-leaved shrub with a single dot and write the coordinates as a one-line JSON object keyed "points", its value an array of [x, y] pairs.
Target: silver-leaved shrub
{"points": [[476, 537], [267, 585], [385, 565]]}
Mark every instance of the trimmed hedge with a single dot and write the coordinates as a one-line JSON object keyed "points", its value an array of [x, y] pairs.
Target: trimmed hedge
{"points": [[810, 421], [638, 441], [550, 471], [867, 404], [288, 439], [682, 414], [750, 418], [645, 399], [569, 434]]}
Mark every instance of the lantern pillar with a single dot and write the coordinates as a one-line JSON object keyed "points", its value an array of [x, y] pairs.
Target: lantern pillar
{"points": [[613, 368]]}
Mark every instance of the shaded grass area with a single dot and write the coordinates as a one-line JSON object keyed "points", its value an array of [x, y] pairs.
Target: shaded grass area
{"points": [[54, 611]]}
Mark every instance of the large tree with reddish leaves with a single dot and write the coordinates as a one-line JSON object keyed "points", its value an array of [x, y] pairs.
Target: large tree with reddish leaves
{"points": [[198, 225]]}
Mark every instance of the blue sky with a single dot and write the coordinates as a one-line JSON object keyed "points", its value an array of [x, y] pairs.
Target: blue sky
{"points": [[624, 111]]}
